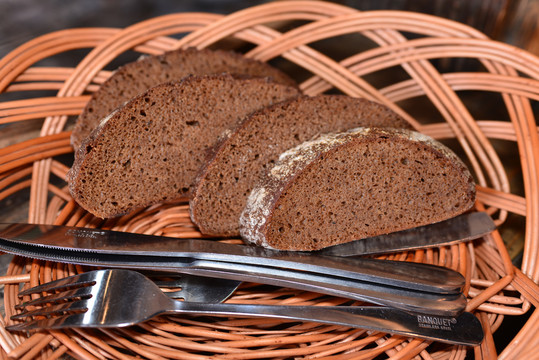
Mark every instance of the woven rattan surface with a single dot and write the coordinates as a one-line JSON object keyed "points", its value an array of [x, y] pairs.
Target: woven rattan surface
{"points": [[447, 79]]}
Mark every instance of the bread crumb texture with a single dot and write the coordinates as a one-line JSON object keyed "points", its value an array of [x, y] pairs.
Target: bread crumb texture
{"points": [[136, 77], [346, 186], [241, 158], [151, 149]]}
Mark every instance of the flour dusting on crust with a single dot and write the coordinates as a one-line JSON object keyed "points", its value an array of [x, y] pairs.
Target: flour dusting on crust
{"points": [[257, 212], [255, 216]]}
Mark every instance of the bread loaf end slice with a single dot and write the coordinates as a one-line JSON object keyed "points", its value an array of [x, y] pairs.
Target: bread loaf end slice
{"points": [[136, 77], [347, 186], [150, 149], [221, 189]]}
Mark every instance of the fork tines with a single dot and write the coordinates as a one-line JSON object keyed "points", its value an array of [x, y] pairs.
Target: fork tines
{"points": [[80, 280], [62, 299]]}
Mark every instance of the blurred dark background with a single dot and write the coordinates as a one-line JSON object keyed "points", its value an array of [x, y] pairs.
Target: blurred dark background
{"points": [[512, 21]]}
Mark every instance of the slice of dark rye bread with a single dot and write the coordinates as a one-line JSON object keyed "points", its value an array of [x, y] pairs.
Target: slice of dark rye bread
{"points": [[138, 76], [347, 186], [222, 187], [150, 149]]}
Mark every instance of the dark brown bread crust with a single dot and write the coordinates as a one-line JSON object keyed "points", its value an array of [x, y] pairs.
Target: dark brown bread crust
{"points": [[136, 77], [150, 149], [222, 187], [348, 186]]}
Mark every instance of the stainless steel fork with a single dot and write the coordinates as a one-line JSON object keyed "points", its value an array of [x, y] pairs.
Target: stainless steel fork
{"points": [[114, 298]]}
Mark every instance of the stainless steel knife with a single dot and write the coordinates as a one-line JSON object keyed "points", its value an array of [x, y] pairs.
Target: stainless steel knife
{"points": [[103, 247], [461, 228], [86, 240], [17, 238]]}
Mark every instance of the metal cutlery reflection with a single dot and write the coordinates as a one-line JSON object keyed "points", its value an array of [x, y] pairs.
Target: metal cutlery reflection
{"points": [[113, 298], [107, 248]]}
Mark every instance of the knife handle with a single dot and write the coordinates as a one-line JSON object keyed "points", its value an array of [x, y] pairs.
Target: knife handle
{"points": [[402, 274], [400, 298]]}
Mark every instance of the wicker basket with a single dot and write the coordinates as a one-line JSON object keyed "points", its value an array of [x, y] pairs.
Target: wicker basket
{"points": [[447, 79]]}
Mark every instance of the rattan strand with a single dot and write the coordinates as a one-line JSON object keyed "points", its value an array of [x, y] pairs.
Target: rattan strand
{"points": [[496, 289]]}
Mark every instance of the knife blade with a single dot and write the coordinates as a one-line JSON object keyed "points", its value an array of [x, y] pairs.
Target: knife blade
{"points": [[461, 228]]}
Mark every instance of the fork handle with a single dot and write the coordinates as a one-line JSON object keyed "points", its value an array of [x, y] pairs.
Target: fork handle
{"points": [[464, 329]]}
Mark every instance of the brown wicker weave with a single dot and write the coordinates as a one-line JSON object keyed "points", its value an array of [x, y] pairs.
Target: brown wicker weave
{"points": [[447, 79]]}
